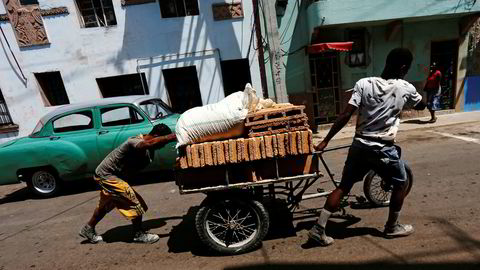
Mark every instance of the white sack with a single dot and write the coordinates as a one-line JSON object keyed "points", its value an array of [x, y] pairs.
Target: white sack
{"points": [[221, 120]]}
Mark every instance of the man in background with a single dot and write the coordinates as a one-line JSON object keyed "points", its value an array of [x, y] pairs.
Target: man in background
{"points": [[434, 91]]}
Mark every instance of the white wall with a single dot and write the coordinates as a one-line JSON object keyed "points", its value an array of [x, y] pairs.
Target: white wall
{"points": [[141, 40]]}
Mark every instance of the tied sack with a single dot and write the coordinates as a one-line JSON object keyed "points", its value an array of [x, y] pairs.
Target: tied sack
{"points": [[221, 120]]}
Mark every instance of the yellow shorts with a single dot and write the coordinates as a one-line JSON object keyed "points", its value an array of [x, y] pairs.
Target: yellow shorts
{"points": [[117, 193]]}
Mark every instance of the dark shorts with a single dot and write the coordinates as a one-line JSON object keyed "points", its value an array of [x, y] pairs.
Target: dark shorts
{"points": [[433, 101], [386, 161]]}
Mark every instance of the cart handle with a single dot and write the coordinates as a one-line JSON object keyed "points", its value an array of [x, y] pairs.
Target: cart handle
{"points": [[334, 148]]}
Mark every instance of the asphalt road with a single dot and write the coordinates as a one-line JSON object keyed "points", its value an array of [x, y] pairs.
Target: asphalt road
{"points": [[443, 206]]}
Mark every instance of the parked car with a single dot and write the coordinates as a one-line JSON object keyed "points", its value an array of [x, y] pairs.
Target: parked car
{"points": [[68, 143]]}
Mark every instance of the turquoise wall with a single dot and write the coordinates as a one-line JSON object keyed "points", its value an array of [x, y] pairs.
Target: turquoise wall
{"points": [[334, 12], [294, 37], [416, 36]]}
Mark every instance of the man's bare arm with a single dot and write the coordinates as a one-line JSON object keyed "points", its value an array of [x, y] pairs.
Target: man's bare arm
{"points": [[151, 143], [341, 121]]}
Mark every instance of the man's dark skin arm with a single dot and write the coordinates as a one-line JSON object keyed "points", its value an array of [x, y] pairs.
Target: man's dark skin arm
{"points": [[341, 121], [150, 141]]}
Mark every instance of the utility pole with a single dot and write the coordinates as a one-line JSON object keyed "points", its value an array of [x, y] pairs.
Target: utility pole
{"points": [[275, 52], [261, 55]]}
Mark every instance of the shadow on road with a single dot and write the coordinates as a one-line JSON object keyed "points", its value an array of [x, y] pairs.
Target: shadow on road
{"points": [[416, 121], [184, 238], [86, 185], [125, 233], [366, 266]]}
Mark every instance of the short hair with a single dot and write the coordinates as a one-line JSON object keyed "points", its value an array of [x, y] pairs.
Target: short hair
{"points": [[398, 57], [160, 130]]}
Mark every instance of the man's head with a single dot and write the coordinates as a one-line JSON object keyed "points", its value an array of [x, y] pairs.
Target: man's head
{"points": [[160, 130], [433, 67], [398, 63]]}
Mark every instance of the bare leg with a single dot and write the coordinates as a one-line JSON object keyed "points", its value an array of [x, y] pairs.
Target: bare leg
{"points": [[432, 115], [392, 227], [396, 203], [98, 215], [317, 233], [137, 224], [333, 201]]}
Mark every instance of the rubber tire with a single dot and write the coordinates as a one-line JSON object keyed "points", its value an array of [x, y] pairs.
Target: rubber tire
{"points": [[37, 190], [258, 208], [368, 182]]}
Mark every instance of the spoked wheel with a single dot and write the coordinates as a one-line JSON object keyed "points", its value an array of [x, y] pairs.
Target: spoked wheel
{"points": [[232, 226], [44, 183], [378, 192]]}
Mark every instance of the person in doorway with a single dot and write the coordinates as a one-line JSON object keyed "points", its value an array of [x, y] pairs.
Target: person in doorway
{"points": [[379, 101], [122, 163], [434, 90]]}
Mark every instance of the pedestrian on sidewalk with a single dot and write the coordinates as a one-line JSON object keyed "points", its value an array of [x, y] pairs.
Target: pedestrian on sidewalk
{"points": [[433, 89], [379, 101], [123, 163]]}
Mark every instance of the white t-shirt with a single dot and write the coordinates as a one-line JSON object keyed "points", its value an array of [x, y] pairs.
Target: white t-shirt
{"points": [[379, 104]]}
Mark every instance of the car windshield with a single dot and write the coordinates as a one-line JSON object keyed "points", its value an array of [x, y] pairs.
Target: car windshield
{"points": [[37, 128], [155, 108]]}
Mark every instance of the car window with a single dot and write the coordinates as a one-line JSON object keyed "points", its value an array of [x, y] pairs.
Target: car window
{"points": [[155, 108], [37, 128], [73, 122], [119, 116]]}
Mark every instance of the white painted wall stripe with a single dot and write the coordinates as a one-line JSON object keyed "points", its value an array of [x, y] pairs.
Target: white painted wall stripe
{"points": [[463, 138]]}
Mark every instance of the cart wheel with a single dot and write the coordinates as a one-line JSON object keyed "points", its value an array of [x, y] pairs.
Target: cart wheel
{"points": [[232, 226], [378, 192]]}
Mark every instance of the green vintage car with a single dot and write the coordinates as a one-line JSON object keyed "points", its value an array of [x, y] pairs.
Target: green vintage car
{"points": [[68, 143]]}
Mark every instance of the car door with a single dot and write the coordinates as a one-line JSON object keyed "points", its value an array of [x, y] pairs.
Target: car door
{"points": [[160, 113], [72, 144], [118, 123]]}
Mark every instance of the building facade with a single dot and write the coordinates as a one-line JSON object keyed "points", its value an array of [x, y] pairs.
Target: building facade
{"points": [[441, 32], [56, 52]]}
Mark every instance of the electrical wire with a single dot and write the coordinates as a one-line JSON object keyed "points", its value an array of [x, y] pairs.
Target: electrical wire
{"points": [[11, 51]]}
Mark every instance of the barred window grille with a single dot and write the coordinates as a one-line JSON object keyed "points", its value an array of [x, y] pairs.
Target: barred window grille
{"points": [[5, 118], [96, 13]]}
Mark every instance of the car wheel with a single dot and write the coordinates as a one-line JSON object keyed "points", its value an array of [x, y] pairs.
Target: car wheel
{"points": [[44, 183]]}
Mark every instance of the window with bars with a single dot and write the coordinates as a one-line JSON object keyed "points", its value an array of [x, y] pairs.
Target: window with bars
{"points": [[96, 13], [178, 8], [5, 119]]}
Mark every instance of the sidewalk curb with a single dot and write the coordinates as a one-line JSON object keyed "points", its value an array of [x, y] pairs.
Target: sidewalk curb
{"points": [[349, 131]]}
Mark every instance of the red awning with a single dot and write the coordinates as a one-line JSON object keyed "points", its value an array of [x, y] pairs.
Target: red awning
{"points": [[335, 46]]}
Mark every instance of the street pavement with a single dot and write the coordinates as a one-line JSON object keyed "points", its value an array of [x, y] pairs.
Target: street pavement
{"points": [[443, 206]]}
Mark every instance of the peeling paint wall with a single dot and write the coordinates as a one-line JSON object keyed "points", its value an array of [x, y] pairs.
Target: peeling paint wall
{"points": [[141, 40]]}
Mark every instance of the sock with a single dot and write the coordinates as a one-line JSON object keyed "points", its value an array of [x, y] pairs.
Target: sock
{"points": [[323, 218], [392, 218]]}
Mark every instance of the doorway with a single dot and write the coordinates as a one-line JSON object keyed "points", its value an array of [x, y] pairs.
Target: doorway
{"points": [[183, 88], [444, 54], [325, 78], [236, 74]]}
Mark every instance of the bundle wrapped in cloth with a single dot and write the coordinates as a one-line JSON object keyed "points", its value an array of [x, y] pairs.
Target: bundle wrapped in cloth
{"points": [[242, 128], [221, 120]]}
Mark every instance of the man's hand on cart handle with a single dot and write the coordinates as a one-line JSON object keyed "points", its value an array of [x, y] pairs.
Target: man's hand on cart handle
{"points": [[321, 146]]}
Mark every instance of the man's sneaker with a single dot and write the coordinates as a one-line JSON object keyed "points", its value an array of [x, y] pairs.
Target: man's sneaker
{"points": [[91, 235], [145, 237], [398, 230], [317, 233]]}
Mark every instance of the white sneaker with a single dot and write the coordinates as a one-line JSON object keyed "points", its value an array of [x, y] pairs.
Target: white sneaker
{"points": [[398, 230], [90, 233], [145, 237], [317, 233]]}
